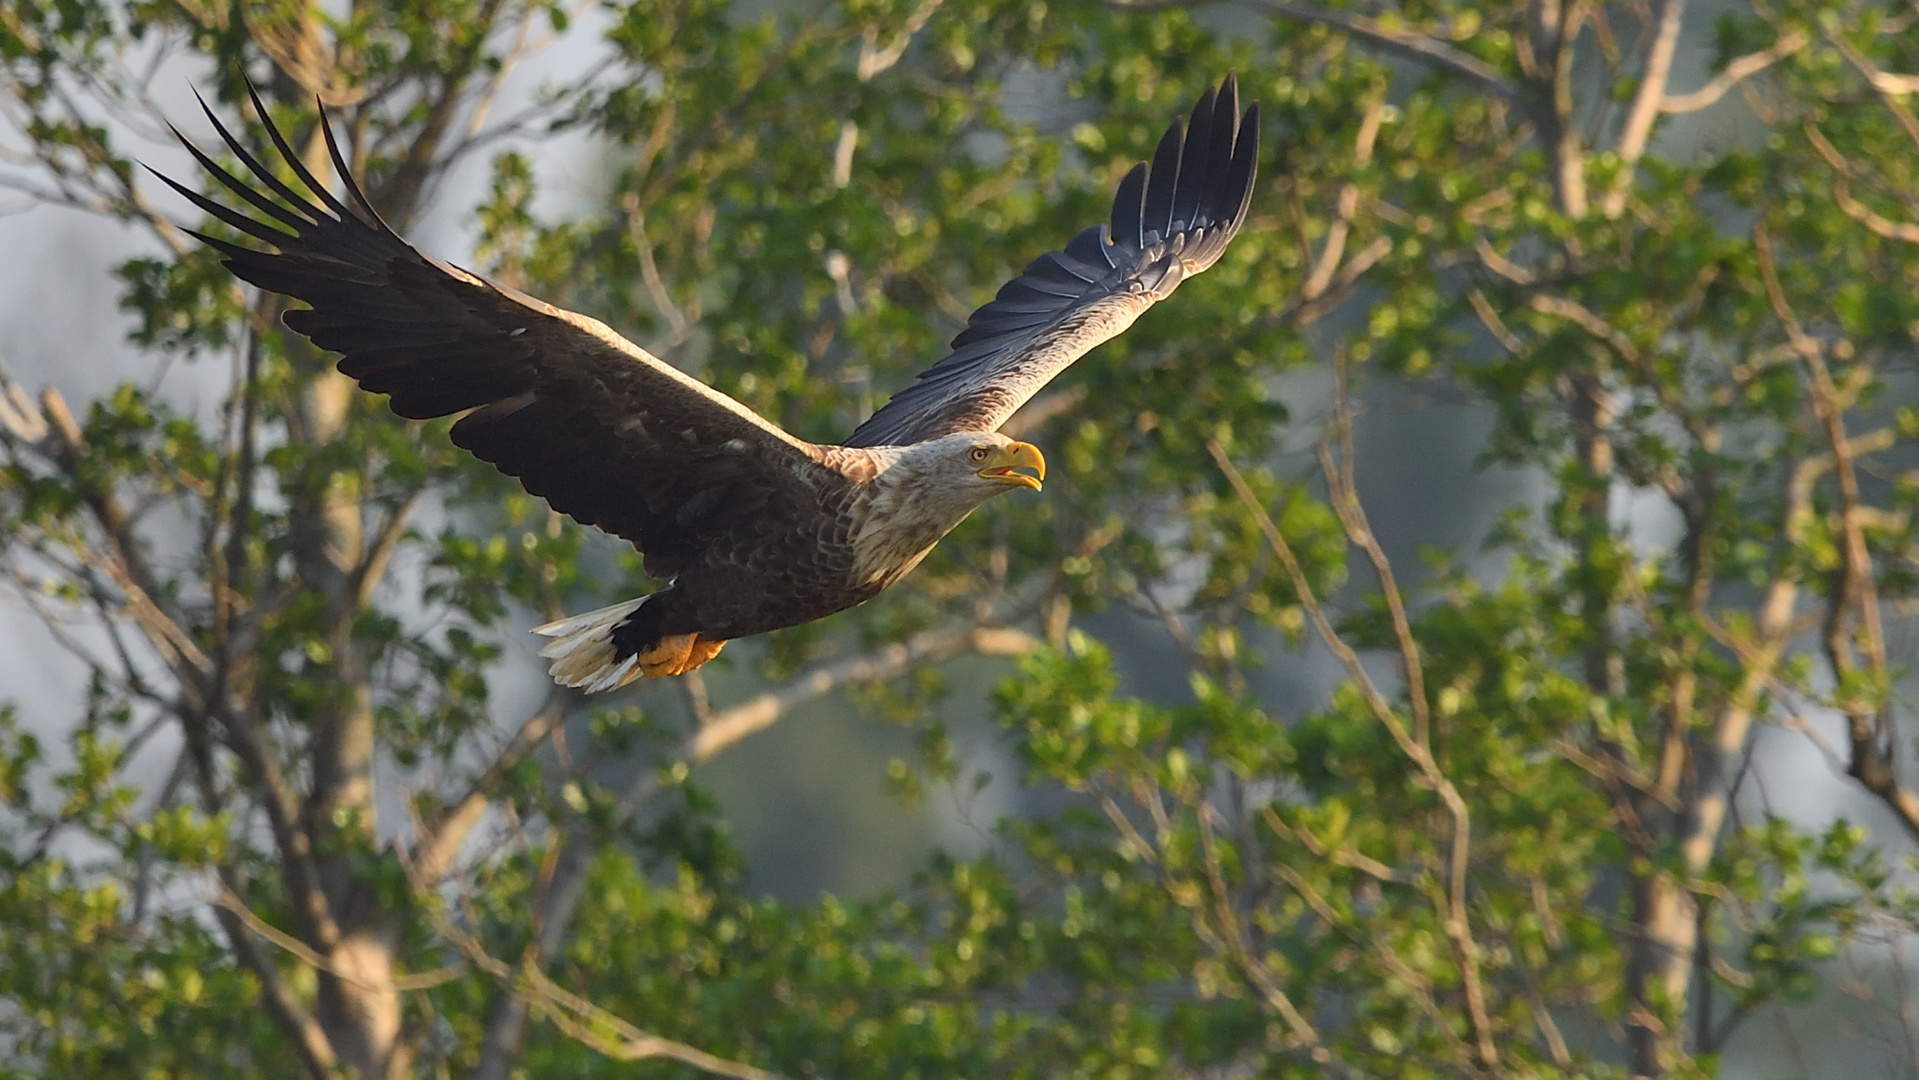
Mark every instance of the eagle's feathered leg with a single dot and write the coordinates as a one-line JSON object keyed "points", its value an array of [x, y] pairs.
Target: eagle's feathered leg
{"points": [[678, 654], [703, 650], [585, 654], [669, 657]]}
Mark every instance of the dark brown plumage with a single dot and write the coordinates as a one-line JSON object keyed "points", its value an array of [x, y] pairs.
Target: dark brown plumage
{"points": [[758, 530]]}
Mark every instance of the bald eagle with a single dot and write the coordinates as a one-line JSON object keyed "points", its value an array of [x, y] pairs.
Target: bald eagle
{"points": [[756, 529]]}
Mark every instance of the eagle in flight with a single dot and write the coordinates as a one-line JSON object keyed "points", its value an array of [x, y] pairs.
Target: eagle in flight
{"points": [[756, 529]]}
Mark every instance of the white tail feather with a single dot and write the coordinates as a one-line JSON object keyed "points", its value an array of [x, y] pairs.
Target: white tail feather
{"points": [[582, 649]]}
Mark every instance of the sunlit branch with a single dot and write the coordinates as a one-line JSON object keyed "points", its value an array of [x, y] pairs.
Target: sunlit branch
{"points": [[1335, 247], [1501, 265], [565, 889], [577, 1017], [1303, 310], [1842, 195], [294, 947], [1653, 73], [1403, 43], [442, 839], [1495, 325], [1456, 920], [1347, 856], [889, 662], [1559, 122], [310, 1042], [1891, 88], [1734, 73], [1855, 610]]}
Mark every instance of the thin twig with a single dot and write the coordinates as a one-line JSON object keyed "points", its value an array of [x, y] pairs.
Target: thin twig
{"points": [[576, 1016], [1403, 43], [1737, 71], [300, 951], [1456, 921]]}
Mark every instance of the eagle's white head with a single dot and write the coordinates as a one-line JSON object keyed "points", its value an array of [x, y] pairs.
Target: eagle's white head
{"points": [[925, 489], [967, 468]]}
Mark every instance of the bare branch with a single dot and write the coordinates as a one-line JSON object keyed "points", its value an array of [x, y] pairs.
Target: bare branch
{"points": [[1335, 246], [372, 566], [125, 562], [875, 60], [17, 411], [578, 1017], [889, 662], [310, 1043], [441, 842], [1231, 927], [1455, 918], [1885, 82], [1760, 654], [560, 900], [1305, 310], [1496, 326], [1501, 265], [678, 326], [1559, 123], [1646, 102], [1734, 73], [1589, 321], [1854, 612], [1347, 856], [1891, 88], [1352, 516], [1402, 43], [231, 902], [1842, 195]]}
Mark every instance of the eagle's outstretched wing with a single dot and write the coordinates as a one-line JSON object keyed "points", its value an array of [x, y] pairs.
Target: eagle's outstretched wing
{"points": [[1169, 223], [582, 417]]}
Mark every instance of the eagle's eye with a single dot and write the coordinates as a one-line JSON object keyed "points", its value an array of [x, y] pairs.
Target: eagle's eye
{"points": [[979, 453]]}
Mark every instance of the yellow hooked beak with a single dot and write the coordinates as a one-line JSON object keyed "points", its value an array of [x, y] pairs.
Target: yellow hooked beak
{"points": [[1008, 458]]}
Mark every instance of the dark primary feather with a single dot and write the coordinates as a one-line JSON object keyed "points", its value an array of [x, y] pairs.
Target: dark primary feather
{"points": [[1169, 222], [587, 420]]}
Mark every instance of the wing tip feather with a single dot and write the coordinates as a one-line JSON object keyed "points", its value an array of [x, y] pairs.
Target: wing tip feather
{"points": [[1200, 179]]}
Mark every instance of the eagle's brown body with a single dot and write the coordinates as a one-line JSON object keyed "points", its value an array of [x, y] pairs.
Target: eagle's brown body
{"points": [[757, 530]]}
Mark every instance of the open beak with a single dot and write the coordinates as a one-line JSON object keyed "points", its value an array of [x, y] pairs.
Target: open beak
{"points": [[1011, 459]]}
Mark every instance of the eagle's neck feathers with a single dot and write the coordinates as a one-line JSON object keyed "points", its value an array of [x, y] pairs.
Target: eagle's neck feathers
{"points": [[917, 495]]}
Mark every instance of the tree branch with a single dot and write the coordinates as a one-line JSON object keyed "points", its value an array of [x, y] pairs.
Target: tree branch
{"points": [[1842, 195], [371, 569], [889, 662], [310, 1043], [1455, 917], [1401, 43], [1891, 88], [64, 444], [1646, 103], [441, 842], [1335, 247], [1734, 73], [560, 901], [1560, 123], [1854, 611], [578, 1017], [230, 902]]}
